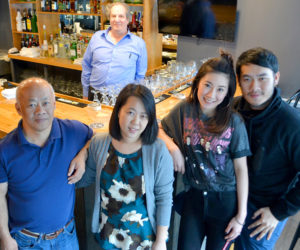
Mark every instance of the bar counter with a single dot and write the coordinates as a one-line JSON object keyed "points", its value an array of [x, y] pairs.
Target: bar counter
{"points": [[9, 117]]}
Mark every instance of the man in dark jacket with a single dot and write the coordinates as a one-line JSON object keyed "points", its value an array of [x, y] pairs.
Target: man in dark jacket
{"points": [[274, 133]]}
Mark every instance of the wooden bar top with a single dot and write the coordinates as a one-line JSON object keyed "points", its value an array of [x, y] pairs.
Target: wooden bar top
{"points": [[9, 117]]}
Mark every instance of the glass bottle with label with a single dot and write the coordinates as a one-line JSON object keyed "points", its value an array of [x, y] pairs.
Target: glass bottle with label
{"points": [[48, 5], [22, 41], [34, 22], [28, 21], [44, 52], [54, 5], [55, 45], [51, 47], [73, 49], [43, 5], [19, 21], [24, 21], [73, 6], [68, 6]]}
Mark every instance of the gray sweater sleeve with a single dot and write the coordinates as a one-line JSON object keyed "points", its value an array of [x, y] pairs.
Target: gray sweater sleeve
{"points": [[163, 187]]}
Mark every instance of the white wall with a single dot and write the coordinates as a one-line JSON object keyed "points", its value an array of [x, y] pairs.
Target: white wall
{"points": [[273, 24]]}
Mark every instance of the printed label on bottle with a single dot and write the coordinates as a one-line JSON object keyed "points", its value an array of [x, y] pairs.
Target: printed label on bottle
{"points": [[28, 25], [54, 6], [72, 52], [55, 49], [23, 25]]}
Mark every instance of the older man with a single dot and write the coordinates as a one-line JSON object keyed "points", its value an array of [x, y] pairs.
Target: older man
{"points": [[36, 191], [274, 132], [114, 56]]}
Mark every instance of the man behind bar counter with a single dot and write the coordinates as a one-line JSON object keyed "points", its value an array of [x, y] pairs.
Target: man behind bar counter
{"points": [[36, 185], [113, 56], [274, 133]]}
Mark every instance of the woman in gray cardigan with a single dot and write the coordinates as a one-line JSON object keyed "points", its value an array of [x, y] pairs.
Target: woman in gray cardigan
{"points": [[133, 171]]}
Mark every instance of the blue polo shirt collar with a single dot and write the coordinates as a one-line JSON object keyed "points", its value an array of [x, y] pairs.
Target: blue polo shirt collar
{"points": [[54, 134]]}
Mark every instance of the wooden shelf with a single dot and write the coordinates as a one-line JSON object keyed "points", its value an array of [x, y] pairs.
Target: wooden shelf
{"points": [[25, 32], [67, 13], [129, 4], [52, 61], [22, 2], [172, 47]]}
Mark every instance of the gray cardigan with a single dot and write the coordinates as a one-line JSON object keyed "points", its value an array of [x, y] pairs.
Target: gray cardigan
{"points": [[158, 174]]}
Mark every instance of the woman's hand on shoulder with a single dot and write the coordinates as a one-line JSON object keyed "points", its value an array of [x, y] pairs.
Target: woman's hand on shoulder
{"points": [[178, 160]]}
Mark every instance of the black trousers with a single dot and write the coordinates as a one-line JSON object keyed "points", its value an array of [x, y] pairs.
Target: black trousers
{"points": [[206, 214]]}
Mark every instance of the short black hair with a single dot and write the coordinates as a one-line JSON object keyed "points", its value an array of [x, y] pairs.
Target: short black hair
{"points": [[258, 56], [149, 135]]}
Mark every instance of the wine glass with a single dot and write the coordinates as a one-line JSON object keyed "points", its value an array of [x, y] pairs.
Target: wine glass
{"points": [[95, 106]]}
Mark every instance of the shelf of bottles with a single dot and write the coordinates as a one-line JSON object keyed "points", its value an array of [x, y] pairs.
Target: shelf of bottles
{"points": [[64, 44], [70, 7], [22, 2]]}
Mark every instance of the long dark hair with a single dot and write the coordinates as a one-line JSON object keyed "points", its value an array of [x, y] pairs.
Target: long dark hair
{"points": [[149, 135], [223, 64]]}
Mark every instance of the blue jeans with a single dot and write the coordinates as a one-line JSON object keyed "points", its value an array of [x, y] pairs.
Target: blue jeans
{"points": [[245, 242], [205, 214], [66, 240]]}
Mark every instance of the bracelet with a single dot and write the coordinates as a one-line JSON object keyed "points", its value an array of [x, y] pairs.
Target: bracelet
{"points": [[242, 224]]}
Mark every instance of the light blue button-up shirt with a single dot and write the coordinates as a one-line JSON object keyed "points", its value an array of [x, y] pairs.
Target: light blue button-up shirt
{"points": [[105, 63]]}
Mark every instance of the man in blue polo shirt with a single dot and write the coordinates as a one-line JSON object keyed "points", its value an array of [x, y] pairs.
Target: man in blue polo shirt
{"points": [[36, 185]]}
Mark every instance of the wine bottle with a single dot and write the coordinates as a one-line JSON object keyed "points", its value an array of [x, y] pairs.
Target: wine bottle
{"points": [[28, 21], [24, 21], [34, 22], [19, 21]]}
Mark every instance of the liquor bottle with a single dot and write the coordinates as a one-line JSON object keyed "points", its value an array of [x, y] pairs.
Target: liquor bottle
{"points": [[24, 21], [55, 45], [28, 21], [86, 43], [140, 25], [54, 5], [29, 41], [34, 22], [133, 23], [51, 47], [94, 7], [48, 5], [61, 48], [73, 7], [68, 6], [80, 47], [26, 41], [64, 5], [45, 43], [67, 45], [22, 41], [37, 42], [73, 49], [19, 21], [43, 5], [34, 44]]}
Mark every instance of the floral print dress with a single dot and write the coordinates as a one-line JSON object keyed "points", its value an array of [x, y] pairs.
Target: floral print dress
{"points": [[124, 218]]}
